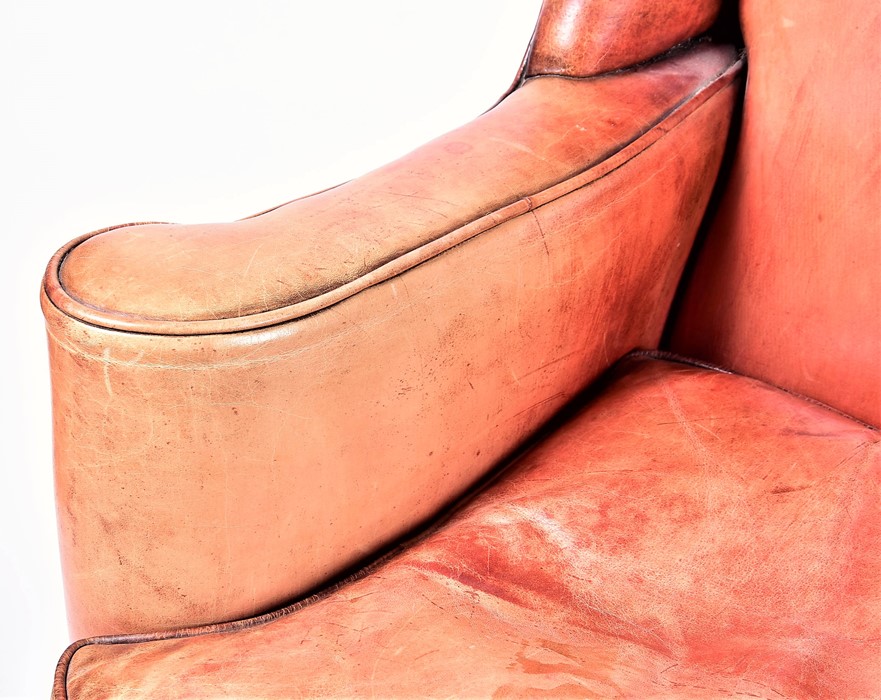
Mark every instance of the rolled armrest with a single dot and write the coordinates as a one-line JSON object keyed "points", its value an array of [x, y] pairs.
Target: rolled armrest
{"points": [[244, 410]]}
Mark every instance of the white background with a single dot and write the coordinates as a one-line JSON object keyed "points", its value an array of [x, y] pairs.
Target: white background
{"points": [[189, 111]]}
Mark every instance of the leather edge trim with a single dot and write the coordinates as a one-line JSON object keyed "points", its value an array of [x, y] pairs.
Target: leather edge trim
{"points": [[74, 308]]}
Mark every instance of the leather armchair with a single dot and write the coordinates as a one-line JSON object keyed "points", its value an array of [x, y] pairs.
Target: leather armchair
{"points": [[414, 435]]}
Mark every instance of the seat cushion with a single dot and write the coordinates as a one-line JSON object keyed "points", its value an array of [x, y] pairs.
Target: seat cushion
{"points": [[689, 533]]}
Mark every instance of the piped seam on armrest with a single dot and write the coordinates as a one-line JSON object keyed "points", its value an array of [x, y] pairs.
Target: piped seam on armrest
{"points": [[67, 304]]}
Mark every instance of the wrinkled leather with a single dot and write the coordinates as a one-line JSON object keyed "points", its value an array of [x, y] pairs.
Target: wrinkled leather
{"points": [[788, 286], [689, 534], [587, 37], [206, 476]]}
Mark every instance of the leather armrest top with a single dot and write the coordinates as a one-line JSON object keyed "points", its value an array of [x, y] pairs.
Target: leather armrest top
{"points": [[310, 384], [311, 253]]}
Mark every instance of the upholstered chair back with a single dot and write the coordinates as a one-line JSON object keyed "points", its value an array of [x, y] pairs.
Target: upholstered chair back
{"points": [[787, 286]]}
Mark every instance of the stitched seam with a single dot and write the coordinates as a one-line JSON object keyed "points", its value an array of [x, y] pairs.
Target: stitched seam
{"points": [[214, 364]]}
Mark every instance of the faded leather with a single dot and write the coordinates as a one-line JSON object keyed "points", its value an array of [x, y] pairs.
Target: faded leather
{"points": [[346, 366], [689, 534], [586, 37], [546, 139], [788, 286], [205, 476]]}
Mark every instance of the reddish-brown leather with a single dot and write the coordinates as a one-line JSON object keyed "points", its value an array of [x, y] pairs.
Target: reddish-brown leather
{"points": [[788, 286], [588, 37], [691, 534], [304, 256], [204, 477]]}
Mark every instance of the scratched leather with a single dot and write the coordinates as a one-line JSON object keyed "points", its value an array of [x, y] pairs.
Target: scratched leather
{"points": [[788, 287], [689, 534], [587, 37], [546, 132], [209, 477]]}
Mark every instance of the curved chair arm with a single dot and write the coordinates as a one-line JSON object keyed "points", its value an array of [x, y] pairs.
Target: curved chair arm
{"points": [[244, 410]]}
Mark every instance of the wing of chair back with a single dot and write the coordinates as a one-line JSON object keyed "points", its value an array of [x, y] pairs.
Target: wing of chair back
{"points": [[245, 410]]}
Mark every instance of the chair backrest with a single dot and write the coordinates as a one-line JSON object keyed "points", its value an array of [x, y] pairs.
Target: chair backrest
{"points": [[787, 285], [580, 38]]}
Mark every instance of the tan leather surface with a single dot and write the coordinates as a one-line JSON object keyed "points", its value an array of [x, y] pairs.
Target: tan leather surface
{"points": [[690, 534], [788, 286], [295, 259], [588, 37], [203, 478]]}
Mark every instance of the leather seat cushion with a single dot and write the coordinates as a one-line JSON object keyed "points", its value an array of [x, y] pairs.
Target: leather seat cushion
{"points": [[689, 533]]}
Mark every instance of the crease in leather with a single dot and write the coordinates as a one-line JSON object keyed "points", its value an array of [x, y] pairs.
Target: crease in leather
{"points": [[673, 52], [69, 305], [683, 359]]}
